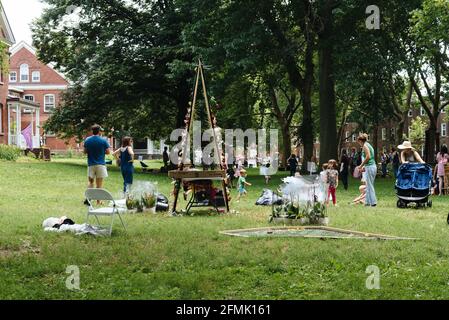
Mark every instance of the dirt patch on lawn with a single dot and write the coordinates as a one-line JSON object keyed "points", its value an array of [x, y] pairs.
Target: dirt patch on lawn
{"points": [[25, 248]]}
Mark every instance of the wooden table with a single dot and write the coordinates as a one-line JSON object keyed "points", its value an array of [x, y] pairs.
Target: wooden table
{"points": [[193, 176]]}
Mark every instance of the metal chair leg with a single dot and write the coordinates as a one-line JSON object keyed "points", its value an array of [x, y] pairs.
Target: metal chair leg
{"points": [[121, 220]]}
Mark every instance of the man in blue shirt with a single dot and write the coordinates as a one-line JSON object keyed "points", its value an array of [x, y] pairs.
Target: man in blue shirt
{"points": [[96, 147]]}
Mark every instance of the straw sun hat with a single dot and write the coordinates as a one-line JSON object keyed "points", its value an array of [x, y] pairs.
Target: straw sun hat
{"points": [[405, 145]]}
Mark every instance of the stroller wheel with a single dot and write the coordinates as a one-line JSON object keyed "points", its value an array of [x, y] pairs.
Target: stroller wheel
{"points": [[448, 219], [429, 203], [400, 204]]}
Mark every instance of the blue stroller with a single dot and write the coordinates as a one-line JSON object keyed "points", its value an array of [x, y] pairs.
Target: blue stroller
{"points": [[414, 184]]}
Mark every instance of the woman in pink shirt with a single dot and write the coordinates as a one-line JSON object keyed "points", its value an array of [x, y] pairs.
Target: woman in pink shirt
{"points": [[442, 158]]}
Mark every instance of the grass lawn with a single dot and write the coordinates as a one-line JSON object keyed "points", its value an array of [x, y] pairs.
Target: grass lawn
{"points": [[163, 257]]}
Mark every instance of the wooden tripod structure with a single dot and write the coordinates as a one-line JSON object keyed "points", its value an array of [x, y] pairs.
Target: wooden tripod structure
{"points": [[181, 174]]}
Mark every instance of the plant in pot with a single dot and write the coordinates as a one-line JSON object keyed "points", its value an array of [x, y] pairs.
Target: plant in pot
{"points": [[302, 216], [149, 201], [131, 202], [317, 213], [292, 210]]}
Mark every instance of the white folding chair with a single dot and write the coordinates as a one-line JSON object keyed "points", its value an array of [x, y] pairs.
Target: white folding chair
{"points": [[93, 195]]}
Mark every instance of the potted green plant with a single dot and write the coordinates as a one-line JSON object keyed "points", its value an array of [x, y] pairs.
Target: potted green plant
{"points": [[149, 201], [132, 204]]}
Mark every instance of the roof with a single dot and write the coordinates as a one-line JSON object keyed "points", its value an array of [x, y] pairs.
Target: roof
{"points": [[23, 45], [22, 101], [15, 89], [4, 23]]}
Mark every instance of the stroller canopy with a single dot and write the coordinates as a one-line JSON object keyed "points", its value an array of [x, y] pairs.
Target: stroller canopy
{"points": [[417, 176]]}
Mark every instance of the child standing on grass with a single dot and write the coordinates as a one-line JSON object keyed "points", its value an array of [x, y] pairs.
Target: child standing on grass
{"points": [[332, 180], [125, 155], [323, 179], [242, 183]]}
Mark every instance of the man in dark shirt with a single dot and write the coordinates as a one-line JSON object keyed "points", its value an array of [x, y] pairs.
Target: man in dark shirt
{"points": [[344, 168], [293, 164], [165, 157], [96, 147]]}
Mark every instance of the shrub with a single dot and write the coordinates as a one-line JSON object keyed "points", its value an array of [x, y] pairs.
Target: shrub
{"points": [[9, 153]]}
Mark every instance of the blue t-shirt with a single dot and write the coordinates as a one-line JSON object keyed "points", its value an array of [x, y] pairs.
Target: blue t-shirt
{"points": [[96, 147]]}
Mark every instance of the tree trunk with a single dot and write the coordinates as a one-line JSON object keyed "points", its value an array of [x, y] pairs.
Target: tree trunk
{"points": [[286, 145], [431, 137], [375, 140], [328, 116], [341, 132], [306, 130], [182, 102]]}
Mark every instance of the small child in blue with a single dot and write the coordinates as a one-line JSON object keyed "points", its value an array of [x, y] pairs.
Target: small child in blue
{"points": [[242, 183]]}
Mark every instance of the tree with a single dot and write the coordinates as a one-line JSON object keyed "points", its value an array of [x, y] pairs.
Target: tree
{"points": [[417, 132], [244, 37], [430, 59], [124, 59]]}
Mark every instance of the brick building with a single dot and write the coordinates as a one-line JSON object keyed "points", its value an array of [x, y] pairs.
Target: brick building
{"points": [[34, 81], [386, 135], [7, 38]]}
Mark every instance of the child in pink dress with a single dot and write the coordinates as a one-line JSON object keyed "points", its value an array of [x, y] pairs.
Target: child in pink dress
{"points": [[442, 158]]}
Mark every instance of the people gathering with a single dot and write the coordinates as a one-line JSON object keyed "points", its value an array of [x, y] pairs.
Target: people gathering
{"points": [[357, 162]]}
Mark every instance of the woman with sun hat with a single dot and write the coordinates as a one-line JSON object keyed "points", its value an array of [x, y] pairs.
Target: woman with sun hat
{"points": [[409, 154]]}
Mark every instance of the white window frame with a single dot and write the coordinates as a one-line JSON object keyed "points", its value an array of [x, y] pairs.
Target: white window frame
{"points": [[28, 110], [422, 112], [11, 73], [410, 113], [393, 133], [45, 103], [354, 138], [38, 79], [347, 134], [384, 134], [24, 67], [444, 130], [28, 95]]}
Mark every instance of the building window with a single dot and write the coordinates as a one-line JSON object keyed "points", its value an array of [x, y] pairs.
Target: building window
{"points": [[422, 111], [28, 97], [443, 130], [393, 133], [49, 102], [410, 113], [354, 138], [1, 119], [13, 76], [36, 76], [384, 134], [347, 136], [24, 73]]}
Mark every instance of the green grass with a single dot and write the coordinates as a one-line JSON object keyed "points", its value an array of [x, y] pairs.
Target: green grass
{"points": [[186, 258]]}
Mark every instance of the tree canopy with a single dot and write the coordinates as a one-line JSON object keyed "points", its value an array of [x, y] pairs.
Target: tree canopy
{"points": [[304, 67]]}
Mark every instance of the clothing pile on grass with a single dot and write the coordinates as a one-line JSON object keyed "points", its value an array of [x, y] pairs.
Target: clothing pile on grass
{"points": [[65, 224]]}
